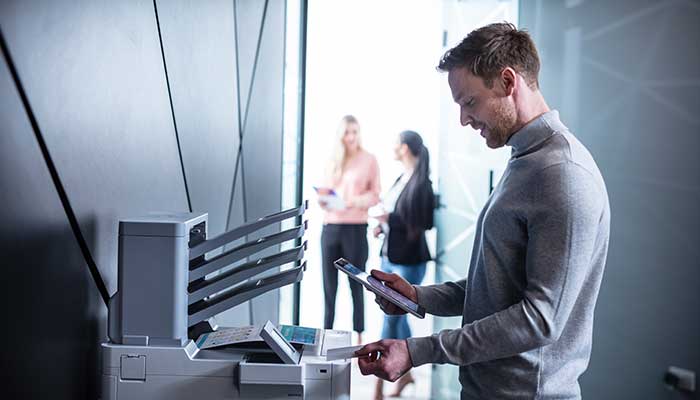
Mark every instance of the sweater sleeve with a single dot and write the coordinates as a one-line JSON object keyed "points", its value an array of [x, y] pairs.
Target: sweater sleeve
{"points": [[566, 209], [444, 300]]}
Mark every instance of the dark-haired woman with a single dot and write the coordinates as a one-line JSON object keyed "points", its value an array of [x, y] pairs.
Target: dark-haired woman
{"points": [[408, 207]]}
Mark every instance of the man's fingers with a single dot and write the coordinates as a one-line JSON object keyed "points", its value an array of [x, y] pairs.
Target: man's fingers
{"points": [[385, 304], [369, 348], [388, 307], [383, 276], [364, 365], [372, 367], [367, 366], [397, 283]]}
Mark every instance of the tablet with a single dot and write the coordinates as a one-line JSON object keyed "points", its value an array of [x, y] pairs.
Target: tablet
{"points": [[377, 287]]}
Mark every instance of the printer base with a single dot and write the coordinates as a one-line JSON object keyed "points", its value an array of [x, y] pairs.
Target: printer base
{"points": [[132, 372]]}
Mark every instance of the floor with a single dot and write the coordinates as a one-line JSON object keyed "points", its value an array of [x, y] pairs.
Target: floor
{"points": [[363, 386]]}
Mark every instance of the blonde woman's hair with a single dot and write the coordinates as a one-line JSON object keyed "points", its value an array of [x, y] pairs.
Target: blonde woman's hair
{"points": [[339, 153]]}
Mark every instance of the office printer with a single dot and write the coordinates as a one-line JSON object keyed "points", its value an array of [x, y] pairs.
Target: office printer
{"points": [[169, 288]]}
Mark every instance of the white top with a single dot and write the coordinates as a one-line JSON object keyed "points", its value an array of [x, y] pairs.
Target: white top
{"points": [[392, 196], [389, 200]]}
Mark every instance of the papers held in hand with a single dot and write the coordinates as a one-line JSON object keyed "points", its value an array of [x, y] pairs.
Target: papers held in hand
{"points": [[331, 198], [342, 353], [333, 201]]}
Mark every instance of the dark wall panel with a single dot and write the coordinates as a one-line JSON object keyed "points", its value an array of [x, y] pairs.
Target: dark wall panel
{"points": [[199, 43], [53, 316], [200, 53], [98, 89], [250, 17], [263, 133]]}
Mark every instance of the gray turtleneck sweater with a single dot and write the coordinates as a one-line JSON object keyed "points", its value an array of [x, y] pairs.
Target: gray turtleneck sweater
{"points": [[538, 258]]}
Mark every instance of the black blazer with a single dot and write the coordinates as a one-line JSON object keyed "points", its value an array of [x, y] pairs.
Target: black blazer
{"points": [[405, 244]]}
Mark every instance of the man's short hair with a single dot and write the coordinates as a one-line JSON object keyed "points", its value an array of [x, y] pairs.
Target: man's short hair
{"points": [[486, 51]]}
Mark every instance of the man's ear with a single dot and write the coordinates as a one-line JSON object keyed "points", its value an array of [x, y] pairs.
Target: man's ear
{"points": [[508, 79]]}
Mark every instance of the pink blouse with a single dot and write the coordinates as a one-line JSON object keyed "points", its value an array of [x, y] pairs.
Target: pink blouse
{"points": [[358, 185]]}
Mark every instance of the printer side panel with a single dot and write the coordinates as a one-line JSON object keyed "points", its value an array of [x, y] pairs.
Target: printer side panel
{"points": [[153, 290], [341, 381]]}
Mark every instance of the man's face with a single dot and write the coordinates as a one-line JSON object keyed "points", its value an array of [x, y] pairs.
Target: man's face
{"points": [[488, 110]]}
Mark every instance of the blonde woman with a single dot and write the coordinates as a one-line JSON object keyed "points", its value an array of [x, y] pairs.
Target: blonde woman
{"points": [[353, 175]]}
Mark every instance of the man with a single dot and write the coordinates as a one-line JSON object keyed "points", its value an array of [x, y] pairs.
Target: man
{"points": [[540, 244]]}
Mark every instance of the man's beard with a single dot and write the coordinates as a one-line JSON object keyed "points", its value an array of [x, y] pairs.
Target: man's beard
{"points": [[503, 126]]}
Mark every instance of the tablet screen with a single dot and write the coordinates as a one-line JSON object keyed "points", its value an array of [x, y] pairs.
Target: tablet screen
{"points": [[352, 269]]}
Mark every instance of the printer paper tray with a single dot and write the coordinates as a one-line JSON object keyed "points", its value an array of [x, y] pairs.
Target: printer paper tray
{"points": [[207, 308]]}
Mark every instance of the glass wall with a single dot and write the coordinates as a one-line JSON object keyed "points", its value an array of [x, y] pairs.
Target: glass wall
{"points": [[468, 171], [292, 137]]}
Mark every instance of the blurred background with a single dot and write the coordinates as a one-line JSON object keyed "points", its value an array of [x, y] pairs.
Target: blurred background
{"points": [[110, 109]]}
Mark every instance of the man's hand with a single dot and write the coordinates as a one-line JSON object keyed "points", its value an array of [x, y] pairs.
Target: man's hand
{"points": [[377, 231], [397, 283], [387, 359]]}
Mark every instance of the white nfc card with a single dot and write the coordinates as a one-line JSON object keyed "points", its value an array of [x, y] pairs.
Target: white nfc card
{"points": [[341, 353]]}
